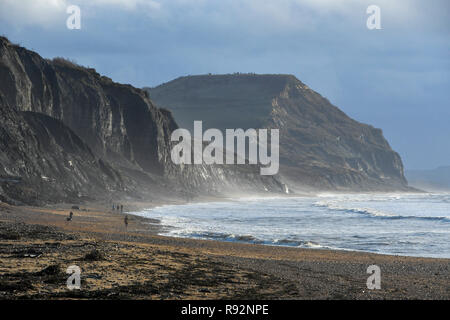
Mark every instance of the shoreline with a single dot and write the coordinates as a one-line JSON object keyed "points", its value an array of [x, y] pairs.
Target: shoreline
{"points": [[135, 257], [230, 240]]}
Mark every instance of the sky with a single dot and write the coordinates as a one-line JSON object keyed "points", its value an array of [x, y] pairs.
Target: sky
{"points": [[396, 78]]}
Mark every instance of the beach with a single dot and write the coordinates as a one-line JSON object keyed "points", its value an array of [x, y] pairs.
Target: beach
{"points": [[38, 244]]}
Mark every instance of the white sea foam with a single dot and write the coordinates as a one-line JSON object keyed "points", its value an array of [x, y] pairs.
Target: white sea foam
{"points": [[340, 205], [405, 224]]}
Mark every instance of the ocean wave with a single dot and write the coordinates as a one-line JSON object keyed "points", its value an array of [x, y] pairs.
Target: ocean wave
{"points": [[256, 240], [289, 242], [313, 245], [210, 235], [251, 239], [207, 235], [353, 223], [377, 213], [246, 238]]}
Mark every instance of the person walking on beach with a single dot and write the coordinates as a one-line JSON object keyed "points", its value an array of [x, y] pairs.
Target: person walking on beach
{"points": [[70, 216], [125, 220]]}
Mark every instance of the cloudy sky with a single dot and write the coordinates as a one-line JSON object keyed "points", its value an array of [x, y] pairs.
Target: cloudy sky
{"points": [[396, 78]]}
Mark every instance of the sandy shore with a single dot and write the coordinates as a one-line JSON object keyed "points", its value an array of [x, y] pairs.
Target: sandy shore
{"points": [[117, 262]]}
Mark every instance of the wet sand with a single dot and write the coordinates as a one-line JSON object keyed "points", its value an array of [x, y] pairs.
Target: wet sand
{"points": [[117, 262]]}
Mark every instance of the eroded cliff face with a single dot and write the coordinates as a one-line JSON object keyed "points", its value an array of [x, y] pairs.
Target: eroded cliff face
{"points": [[323, 147], [42, 161], [117, 121], [320, 146], [114, 127]]}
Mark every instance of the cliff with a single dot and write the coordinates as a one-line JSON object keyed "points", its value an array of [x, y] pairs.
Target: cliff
{"points": [[321, 148], [111, 135], [43, 161]]}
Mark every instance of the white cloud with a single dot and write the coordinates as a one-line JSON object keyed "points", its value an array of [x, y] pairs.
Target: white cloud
{"points": [[280, 14], [123, 4], [271, 14], [46, 13], [32, 12]]}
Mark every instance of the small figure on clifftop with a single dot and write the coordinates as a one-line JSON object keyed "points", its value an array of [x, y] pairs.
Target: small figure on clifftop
{"points": [[70, 216]]}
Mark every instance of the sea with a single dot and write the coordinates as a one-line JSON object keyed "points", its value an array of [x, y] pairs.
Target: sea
{"points": [[397, 224]]}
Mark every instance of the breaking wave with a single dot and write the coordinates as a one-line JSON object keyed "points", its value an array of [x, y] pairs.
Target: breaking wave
{"points": [[401, 224], [332, 205]]}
